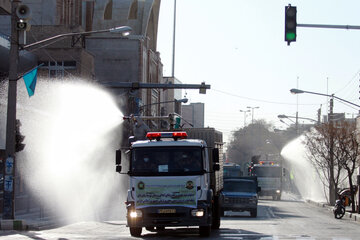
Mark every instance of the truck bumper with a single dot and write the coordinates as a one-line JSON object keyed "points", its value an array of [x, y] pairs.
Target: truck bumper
{"points": [[239, 207], [270, 192], [175, 216]]}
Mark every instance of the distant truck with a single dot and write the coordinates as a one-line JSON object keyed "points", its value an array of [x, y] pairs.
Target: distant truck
{"points": [[232, 170], [269, 175], [240, 194], [175, 180]]}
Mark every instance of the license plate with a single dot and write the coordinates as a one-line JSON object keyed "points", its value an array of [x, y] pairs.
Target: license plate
{"points": [[167, 210]]}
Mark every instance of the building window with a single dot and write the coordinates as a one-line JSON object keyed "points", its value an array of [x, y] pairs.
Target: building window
{"points": [[65, 7], [58, 69], [108, 10]]}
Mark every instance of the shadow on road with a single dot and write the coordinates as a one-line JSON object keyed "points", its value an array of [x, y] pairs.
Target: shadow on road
{"points": [[192, 232]]}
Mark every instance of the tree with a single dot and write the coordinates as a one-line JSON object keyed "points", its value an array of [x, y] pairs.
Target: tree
{"points": [[255, 139], [333, 149], [320, 145], [347, 151]]}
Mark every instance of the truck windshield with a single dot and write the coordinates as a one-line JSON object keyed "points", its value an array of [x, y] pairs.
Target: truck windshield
{"points": [[167, 161], [239, 186], [232, 171], [266, 171]]}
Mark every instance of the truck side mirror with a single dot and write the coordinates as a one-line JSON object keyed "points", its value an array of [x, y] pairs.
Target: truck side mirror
{"points": [[118, 168], [283, 172], [118, 157], [258, 189], [216, 167], [215, 153], [131, 140]]}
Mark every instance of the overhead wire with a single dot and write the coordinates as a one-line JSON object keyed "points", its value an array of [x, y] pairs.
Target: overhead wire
{"points": [[260, 100], [350, 94]]}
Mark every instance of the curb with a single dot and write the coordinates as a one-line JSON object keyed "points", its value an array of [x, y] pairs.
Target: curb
{"points": [[19, 225], [351, 216]]}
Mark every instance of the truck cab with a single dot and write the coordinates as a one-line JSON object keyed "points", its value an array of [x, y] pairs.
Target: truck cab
{"points": [[269, 175], [170, 184], [240, 194]]}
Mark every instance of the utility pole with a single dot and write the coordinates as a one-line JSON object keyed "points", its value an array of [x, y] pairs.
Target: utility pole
{"points": [[319, 115], [9, 166], [245, 113], [331, 154], [174, 38], [297, 123], [252, 114]]}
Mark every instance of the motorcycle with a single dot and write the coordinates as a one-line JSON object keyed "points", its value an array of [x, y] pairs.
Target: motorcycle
{"points": [[343, 201], [339, 209]]}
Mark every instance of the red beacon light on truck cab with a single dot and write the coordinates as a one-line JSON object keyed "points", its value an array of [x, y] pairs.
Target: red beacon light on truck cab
{"points": [[159, 135]]}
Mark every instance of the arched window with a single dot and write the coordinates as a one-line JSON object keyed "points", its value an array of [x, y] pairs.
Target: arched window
{"points": [[133, 10], [108, 10]]}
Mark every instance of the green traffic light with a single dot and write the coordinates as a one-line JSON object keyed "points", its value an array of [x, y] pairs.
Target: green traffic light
{"points": [[290, 36]]}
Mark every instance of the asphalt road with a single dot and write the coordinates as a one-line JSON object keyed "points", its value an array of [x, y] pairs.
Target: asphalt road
{"points": [[286, 219]]}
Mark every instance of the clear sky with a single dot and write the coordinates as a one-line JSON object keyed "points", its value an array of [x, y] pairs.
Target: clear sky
{"points": [[238, 47]]}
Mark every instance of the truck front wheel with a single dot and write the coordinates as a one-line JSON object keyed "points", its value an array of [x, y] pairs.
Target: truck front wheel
{"points": [[135, 231], [216, 214], [204, 231], [222, 212], [253, 213]]}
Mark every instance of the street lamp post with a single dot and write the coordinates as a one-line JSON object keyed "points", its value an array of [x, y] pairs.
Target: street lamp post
{"points": [[9, 165], [284, 122], [252, 113], [298, 91], [286, 116], [331, 140], [123, 30], [296, 117], [9, 173], [245, 113]]}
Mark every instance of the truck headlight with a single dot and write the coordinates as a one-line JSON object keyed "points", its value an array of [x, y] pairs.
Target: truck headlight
{"points": [[135, 213], [277, 191], [197, 212]]}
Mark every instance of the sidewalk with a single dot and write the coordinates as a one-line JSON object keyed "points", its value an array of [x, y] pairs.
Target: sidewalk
{"points": [[37, 219], [348, 215], [31, 220]]}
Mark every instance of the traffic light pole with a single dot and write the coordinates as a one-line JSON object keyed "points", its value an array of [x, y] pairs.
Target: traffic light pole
{"points": [[329, 26], [9, 165], [291, 25], [137, 85]]}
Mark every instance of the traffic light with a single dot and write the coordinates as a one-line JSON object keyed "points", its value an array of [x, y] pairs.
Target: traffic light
{"points": [[290, 24], [19, 138], [177, 122]]}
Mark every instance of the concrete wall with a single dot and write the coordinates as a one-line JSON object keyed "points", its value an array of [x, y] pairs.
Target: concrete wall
{"points": [[43, 12], [116, 59], [194, 113]]}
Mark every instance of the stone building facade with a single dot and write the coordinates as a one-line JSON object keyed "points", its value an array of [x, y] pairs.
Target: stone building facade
{"points": [[98, 57], [104, 57]]}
